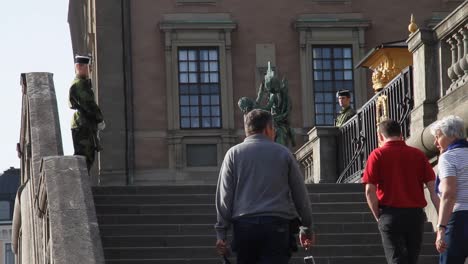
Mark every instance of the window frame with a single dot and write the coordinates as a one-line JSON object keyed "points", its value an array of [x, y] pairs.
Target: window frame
{"points": [[334, 101], [200, 94]]}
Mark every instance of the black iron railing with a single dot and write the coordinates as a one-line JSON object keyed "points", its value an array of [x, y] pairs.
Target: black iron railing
{"points": [[358, 136]]}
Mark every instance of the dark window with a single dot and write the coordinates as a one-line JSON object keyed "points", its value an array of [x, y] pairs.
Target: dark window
{"points": [[9, 256], [200, 155], [5, 211], [332, 70], [199, 88]]}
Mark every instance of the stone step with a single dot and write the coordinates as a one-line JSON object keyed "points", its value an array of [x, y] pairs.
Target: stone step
{"points": [[130, 199], [210, 208], [423, 259], [210, 252], [209, 240], [206, 229], [345, 217], [211, 189]]}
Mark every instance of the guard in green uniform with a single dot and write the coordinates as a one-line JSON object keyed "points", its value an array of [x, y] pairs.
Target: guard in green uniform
{"points": [[344, 99], [87, 119]]}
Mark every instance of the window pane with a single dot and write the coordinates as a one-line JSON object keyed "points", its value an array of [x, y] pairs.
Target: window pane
{"points": [[184, 100], [204, 78], [184, 89], [205, 111], [193, 77], [203, 54], [194, 111], [348, 85], [339, 75], [194, 122], [182, 55], [338, 64], [319, 97], [183, 66], [185, 122], [337, 52], [206, 122], [215, 89], [193, 89], [347, 53], [192, 66], [328, 86], [216, 122], [348, 75], [213, 55], [319, 108], [213, 66], [215, 99], [205, 99], [319, 119], [329, 109], [317, 53], [4, 210], [327, 64], [329, 97], [348, 64], [204, 66], [192, 55], [327, 75], [193, 100], [183, 77], [317, 75], [215, 111], [329, 120], [326, 52], [317, 64], [318, 86], [214, 78], [205, 89], [9, 255], [185, 111]]}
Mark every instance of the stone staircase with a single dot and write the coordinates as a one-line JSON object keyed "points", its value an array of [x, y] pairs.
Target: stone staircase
{"points": [[174, 224]]}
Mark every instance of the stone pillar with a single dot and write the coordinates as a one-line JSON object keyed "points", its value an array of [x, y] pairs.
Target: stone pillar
{"points": [[324, 147], [423, 45], [110, 85]]}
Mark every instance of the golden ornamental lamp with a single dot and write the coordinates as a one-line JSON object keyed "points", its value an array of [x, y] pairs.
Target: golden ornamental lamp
{"points": [[386, 61]]}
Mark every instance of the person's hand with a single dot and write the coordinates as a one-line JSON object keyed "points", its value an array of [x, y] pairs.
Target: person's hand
{"points": [[101, 126], [440, 243], [306, 238], [221, 247]]}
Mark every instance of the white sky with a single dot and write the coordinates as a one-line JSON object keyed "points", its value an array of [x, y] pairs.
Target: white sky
{"points": [[34, 37]]}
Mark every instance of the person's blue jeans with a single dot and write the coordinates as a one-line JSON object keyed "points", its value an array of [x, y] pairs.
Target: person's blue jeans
{"points": [[261, 240], [456, 237]]}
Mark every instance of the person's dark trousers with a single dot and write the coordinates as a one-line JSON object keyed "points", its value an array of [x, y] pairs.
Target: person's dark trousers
{"points": [[261, 240], [456, 237], [83, 144], [402, 232]]}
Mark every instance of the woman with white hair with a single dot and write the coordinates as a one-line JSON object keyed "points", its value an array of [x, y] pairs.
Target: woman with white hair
{"points": [[452, 186]]}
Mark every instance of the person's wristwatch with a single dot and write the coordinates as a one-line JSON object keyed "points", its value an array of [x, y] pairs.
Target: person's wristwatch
{"points": [[441, 227]]}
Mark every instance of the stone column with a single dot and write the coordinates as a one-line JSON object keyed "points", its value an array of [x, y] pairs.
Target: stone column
{"points": [[324, 145], [423, 45]]}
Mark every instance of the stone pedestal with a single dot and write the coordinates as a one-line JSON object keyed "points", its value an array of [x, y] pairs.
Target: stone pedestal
{"points": [[319, 155]]}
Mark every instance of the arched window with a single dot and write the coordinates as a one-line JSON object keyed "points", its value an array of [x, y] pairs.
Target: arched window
{"points": [[4, 210]]}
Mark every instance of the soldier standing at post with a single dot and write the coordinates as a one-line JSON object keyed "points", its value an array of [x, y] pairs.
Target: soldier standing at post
{"points": [[87, 119], [344, 99]]}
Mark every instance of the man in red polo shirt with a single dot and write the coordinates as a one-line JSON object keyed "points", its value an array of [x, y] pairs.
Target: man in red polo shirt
{"points": [[395, 175]]}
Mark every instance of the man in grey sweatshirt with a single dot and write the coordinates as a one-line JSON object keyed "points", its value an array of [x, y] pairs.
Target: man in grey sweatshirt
{"points": [[257, 180]]}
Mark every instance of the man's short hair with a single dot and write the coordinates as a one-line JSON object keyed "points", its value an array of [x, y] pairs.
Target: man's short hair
{"points": [[256, 121], [389, 128]]}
